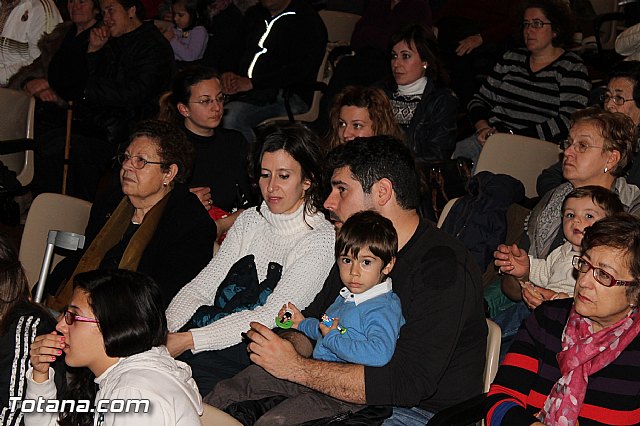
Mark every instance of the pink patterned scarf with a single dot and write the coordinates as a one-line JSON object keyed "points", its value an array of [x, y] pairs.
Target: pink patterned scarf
{"points": [[583, 354]]}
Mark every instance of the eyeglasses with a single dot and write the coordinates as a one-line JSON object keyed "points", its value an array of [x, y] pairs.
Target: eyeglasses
{"points": [[206, 102], [535, 24], [579, 146], [136, 161], [71, 317], [617, 99], [604, 278]]}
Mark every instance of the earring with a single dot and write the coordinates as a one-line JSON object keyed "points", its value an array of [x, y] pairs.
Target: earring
{"points": [[424, 66], [606, 169], [165, 184]]}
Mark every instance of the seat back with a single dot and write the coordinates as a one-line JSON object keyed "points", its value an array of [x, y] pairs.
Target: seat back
{"points": [[339, 25], [16, 122], [493, 354], [49, 211], [446, 210], [518, 156]]}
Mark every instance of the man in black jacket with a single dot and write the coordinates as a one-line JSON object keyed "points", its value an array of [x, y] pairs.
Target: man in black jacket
{"points": [[440, 354], [285, 45]]}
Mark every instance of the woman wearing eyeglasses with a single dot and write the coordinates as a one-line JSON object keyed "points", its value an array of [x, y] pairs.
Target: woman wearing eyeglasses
{"points": [[533, 90], [599, 148], [220, 173], [113, 333], [154, 224], [577, 361]]}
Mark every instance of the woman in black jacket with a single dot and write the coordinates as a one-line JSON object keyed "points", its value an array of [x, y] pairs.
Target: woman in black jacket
{"points": [[422, 104]]}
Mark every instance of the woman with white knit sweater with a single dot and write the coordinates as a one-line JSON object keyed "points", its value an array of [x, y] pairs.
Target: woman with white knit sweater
{"points": [[278, 252]]}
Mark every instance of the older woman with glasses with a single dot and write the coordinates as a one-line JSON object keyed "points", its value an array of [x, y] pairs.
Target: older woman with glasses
{"points": [[220, 176], [532, 90], [597, 152], [577, 361], [158, 227]]}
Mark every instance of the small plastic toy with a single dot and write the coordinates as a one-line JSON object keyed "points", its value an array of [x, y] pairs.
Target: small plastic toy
{"points": [[286, 320], [328, 321]]}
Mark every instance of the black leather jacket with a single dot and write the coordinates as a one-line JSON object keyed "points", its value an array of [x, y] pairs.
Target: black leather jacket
{"points": [[431, 134]]}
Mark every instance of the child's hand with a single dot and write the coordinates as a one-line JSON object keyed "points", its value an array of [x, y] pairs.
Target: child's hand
{"points": [[169, 34], [324, 329], [512, 260], [296, 317]]}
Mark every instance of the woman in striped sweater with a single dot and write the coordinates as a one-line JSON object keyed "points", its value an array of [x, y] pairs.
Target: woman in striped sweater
{"points": [[578, 360], [531, 91]]}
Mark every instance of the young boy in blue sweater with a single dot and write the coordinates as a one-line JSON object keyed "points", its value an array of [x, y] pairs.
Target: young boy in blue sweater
{"points": [[361, 326]]}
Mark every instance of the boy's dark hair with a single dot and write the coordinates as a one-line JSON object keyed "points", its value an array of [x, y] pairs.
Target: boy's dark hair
{"points": [[602, 197], [368, 229]]}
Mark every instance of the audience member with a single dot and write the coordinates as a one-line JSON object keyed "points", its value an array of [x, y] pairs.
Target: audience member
{"points": [[422, 104], [59, 74], [285, 43], [188, 38], [223, 21], [22, 24], [439, 357], [622, 95], [277, 252], [575, 361], [20, 321], [533, 90], [359, 111], [129, 64], [361, 326], [367, 58], [157, 227], [473, 35], [220, 174], [551, 278], [127, 359], [599, 147]]}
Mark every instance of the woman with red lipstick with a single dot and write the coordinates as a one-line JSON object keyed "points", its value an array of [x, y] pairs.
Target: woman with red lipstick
{"points": [[422, 104], [220, 176], [577, 361], [532, 90], [277, 252]]}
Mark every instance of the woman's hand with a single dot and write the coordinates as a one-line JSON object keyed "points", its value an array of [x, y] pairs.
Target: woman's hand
{"points": [[169, 34], [296, 315], [512, 260], [204, 195], [44, 350], [177, 343], [98, 38], [484, 131], [467, 45], [36, 85]]}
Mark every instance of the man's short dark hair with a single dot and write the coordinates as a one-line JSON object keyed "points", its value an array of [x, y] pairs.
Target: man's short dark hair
{"points": [[377, 157], [368, 230]]}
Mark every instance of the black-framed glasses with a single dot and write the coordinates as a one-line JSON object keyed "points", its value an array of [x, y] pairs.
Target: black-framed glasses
{"points": [[221, 99], [535, 24], [578, 146], [617, 99], [136, 161], [602, 276], [71, 317]]}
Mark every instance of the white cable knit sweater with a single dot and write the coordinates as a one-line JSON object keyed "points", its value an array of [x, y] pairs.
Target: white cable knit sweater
{"points": [[306, 256]]}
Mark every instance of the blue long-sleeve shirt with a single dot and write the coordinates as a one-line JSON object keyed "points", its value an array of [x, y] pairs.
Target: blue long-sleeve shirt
{"points": [[372, 323]]}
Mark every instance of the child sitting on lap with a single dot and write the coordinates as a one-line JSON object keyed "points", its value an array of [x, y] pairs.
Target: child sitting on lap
{"points": [[363, 326]]}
